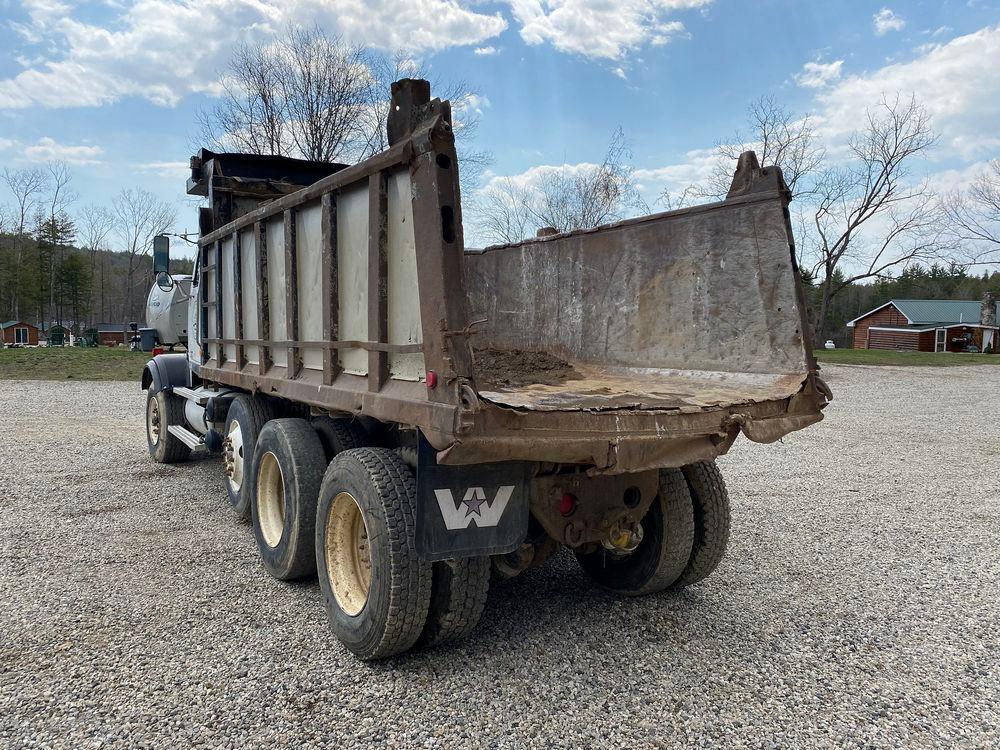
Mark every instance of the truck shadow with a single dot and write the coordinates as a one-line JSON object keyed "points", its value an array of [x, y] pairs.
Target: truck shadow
{"points": [[556, 613]]}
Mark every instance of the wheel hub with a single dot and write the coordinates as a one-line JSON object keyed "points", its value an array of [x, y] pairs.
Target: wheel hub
{"points": [[348, 554], [270, 499], [153, 421], [232, 456]]}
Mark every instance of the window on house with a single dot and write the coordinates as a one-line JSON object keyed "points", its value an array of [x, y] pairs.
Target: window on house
{"points": [[20, 335]]}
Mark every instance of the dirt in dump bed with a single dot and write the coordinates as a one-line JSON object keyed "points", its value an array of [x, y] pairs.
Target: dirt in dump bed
{"points": [[512, 368]]}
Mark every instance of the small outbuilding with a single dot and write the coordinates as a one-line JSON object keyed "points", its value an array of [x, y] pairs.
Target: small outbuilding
{"points": [[112, 334], [929, 325], [17, 332]]}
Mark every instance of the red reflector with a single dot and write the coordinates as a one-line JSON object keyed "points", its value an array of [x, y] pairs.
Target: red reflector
{"points": [[432, 379], [157, 350], [567, 504]]}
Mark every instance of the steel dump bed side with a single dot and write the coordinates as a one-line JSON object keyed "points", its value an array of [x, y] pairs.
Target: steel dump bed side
{"points": [[652, 342]]}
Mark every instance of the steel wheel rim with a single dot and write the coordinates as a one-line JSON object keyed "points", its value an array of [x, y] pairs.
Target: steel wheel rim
{"points": [[270, 500], [348, 554], [153, 421], [232, 456]]}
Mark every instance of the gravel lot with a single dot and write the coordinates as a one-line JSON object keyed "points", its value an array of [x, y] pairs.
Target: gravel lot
{"points": [[859, 604]]}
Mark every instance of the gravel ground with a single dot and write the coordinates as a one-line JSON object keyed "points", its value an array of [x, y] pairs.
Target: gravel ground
{"points": [[858, 605]]}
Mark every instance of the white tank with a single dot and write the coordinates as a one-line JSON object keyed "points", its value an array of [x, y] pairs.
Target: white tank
{"points": [[166, 311]]}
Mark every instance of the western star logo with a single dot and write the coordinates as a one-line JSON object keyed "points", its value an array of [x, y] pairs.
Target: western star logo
{"points": [[473, 508]]}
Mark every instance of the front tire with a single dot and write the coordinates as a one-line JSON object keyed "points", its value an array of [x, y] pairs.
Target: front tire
{"points": [[164, 409], [663, 553], [288, 466], [376, 588]]}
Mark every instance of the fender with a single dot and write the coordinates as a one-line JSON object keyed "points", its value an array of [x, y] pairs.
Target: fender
{"points": [[166, 371]]}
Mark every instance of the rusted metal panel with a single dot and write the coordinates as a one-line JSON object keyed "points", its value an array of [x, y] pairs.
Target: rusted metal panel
{"points": [[238, 300], [331, 288], [378, 274], [220, 356], [263, 309], [291, 295]]}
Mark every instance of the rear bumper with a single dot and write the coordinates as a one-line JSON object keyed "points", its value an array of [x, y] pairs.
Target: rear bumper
{"points": [[624, 441]]}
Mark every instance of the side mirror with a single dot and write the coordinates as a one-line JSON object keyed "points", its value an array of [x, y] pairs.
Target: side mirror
{"points": [[165, 281], [161, 254]]}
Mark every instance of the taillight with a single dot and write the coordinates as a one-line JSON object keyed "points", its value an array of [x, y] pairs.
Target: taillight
{"points": [[567, 504]]}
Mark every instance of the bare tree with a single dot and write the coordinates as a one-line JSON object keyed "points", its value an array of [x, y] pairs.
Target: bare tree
{"points": [[300, 95], [314, 96], [251, 114], [96, 224], [138, 217], [27, 186], [60, 198], [974, 217], [323, 83], [778, 138], [868, 218], [564, 198], [503, 210]]}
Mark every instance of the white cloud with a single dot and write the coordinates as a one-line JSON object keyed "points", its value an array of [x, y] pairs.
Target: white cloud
{"points": [[486, 51], [816, 75], [603, 29], [162, 50], [166, 169], [5, 143], [885, 21], [47, 149], [951, 80]]}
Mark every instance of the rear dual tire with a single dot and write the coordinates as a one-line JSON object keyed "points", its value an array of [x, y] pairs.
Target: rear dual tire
{"points": [[381, 598], [376, 589], [685, 534], [288, 465]]}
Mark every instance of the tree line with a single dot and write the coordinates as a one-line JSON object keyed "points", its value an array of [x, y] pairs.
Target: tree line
{"points": [[75, 265]]}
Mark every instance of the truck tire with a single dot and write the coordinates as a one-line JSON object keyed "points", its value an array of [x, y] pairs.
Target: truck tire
{"points": [[711, 520], [376, 589], [288, 465], [339, 435], [246, 418], [663, 553], [458, 597], [162, 410]]}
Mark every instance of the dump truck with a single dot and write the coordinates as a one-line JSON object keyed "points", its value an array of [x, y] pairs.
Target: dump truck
{"points": [[408, 420]]}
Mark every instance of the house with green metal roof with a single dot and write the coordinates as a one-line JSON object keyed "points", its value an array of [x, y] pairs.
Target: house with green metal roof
{"points": [[930, 325]]}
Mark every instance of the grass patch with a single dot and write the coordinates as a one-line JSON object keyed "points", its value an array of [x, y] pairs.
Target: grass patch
{"points": [[71, 363], [905, 359]]}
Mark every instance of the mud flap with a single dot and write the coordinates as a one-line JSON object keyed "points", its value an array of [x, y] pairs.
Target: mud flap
{"points": [[469, 511]]}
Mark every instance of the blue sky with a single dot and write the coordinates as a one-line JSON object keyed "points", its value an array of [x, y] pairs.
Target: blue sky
{"points": [[113, 87]]}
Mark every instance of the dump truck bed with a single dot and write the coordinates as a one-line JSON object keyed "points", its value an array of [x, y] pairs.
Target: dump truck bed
{"points": [[651, 342]]}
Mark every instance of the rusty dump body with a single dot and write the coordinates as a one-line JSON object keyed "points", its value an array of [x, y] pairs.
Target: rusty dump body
{"points": [[648, 343]]}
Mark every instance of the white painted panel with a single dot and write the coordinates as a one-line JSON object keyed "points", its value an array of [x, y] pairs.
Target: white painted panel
{"points": [[249, 273], [276, 285], [352, 262], [229, 299], [404, 296], [309, 250]]}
